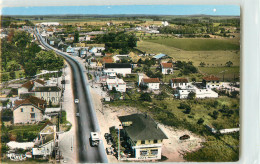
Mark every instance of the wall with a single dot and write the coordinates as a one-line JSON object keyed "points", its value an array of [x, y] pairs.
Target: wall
{"points": [[25, 116], [122, 71]]}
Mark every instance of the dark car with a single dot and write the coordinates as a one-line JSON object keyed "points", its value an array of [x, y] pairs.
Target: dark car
{"points": [[185, 137]]}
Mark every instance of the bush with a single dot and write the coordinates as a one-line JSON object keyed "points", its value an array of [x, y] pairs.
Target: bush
{"points": [[200, 121], [145, 97]]}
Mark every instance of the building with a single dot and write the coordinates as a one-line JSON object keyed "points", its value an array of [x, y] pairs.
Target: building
{"points": [[181, 83], [166, 68], [30, 86], [199, 93], [45, 143], [151, 83], [143, 135], [117, 68], [29, 110], [116, 83], [210, 82], [159, 56], [165, 23], [49, 94]]}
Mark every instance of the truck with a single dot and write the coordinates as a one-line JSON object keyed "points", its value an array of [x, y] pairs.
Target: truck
{"points": [[94, 139]]}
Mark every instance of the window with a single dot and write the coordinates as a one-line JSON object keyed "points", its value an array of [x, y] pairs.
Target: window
{"points": [[142, 142], [21, 109], [143, 153], [53, 99], [32, 115], [32, 109], [154, 141], [154, 152]]}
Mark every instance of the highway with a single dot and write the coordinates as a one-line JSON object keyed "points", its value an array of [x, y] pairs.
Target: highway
{"points": [[87, 120]]}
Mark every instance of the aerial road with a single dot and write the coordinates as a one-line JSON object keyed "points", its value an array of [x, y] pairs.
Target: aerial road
{"points": [[86, 120]]}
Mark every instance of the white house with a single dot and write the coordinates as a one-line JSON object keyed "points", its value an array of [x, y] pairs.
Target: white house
{"points": [[116, 83], [211, 82], [200, 93], [29, 110], [45, 143], [117, 68], [151, 83], [179, 83], [143, 135], [49, 94], [166, 68], [165, 23]]}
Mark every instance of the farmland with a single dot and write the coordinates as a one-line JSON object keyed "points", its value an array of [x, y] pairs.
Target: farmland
{"points": [[211, 58], [201, 44]]}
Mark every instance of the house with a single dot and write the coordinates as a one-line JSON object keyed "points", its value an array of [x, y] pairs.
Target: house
{"points": [[30, 85], [26, 87], [107, 60], [181, 83], [211, 82], [166, 68], [165, 23], [29, 110], [46, 141], [199, 93], [49, 94], [117, 68], [116, 83], [143, 135], [151, 83]]}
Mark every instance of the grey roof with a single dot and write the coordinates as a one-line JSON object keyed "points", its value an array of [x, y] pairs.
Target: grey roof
{"points": [[118, 65], [143, 128], [47, 89]]}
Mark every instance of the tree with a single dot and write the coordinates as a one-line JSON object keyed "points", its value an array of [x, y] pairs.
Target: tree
{"points": [[12, 75], [229, 63], [145, 97], [191, 96], [202, 64], [5, 77], [76, 37], [200, 121], [30, 69], [234, 94], [215, 115], [143, 87]]}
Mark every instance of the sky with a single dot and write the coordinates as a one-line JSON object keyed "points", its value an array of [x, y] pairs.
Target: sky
{"points": [[229, 10]]}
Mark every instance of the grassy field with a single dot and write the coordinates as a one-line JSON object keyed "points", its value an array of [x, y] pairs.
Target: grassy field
{"points": [[210, 58], [201, 44]]}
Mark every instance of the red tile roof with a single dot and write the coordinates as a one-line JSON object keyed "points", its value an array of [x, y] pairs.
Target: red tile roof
{"points": [[180, 80], [166, 65], [151, 80], [211, 78], [31, 100], [28, 85], [107, 60]]}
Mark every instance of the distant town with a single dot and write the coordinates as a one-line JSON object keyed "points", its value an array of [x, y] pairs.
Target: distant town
{"points": [[93, 89]]}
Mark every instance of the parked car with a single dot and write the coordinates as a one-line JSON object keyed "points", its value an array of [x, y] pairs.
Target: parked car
{"points": [[109, 150], [185, 137]]}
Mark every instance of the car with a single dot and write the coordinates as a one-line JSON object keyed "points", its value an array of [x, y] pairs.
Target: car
{"points": [[77, 114], [185, 137], [76, 101], [109, 150]]}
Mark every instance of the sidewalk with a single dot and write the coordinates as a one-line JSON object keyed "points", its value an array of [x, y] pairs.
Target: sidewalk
{"points": [[67, 140]]}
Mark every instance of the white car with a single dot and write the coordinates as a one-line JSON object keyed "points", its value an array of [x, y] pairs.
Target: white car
{"points": [[76, 101]]}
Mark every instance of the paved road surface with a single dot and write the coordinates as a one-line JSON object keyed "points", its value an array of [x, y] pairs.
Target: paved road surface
{"points": [[87, 121]]}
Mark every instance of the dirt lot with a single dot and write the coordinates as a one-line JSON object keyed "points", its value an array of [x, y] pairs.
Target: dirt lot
{"points": [[172, 147]]}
